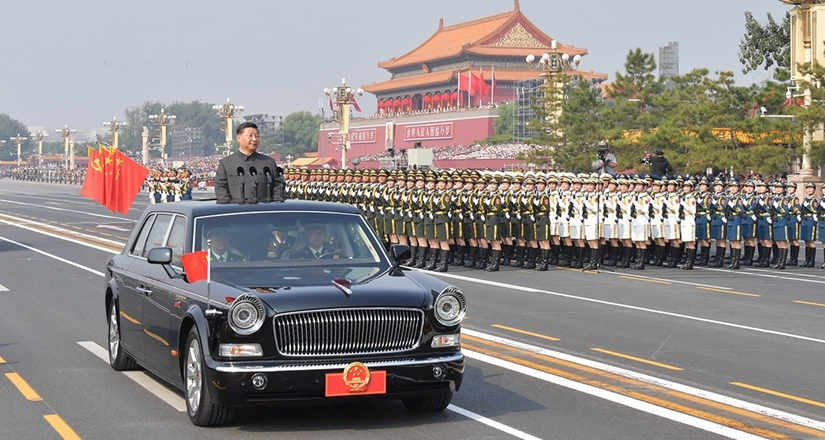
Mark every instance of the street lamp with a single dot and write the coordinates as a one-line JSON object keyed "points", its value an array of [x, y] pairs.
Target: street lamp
{"points": [[19, 141], [551, 64], [114, 126], [289, 160], [68, 156], [228, 112], [344, 98], [162, 120], [38, 137]]}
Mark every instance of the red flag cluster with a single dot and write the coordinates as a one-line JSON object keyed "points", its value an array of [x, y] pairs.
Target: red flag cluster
{"points": [[113, 179], [475, 85]]}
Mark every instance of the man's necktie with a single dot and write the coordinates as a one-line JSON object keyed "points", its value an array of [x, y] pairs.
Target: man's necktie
{"points": [[317, 254]]}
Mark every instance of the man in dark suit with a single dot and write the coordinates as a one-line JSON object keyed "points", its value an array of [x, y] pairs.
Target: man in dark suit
{"points": [[241, 176], [317, 244], [221, 251]]}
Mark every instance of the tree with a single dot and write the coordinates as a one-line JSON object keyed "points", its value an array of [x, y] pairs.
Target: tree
{"points": [[188, 114], [299, 132], [765, 45], [11, 128]]}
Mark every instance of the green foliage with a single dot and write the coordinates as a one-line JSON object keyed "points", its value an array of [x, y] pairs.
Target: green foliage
{"points": [[11, 128], [296, 136], [503, 125], [189, 114], [765, 45]]}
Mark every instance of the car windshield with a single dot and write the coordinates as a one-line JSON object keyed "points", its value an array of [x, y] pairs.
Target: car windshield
{"points": [[271, 249]]}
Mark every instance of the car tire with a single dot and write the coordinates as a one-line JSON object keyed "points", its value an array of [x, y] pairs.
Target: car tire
{"points": [[199, 405], [428, 404], [118, 359]]}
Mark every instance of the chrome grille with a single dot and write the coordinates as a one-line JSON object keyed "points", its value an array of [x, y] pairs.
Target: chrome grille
{"points": [[345, 332]]}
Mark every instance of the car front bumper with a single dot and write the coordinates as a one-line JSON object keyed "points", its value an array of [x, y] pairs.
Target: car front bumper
{"points": [[295, 383]]}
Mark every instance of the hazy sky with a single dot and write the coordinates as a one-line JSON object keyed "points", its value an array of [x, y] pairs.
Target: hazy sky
{"points": [[82, 62]]}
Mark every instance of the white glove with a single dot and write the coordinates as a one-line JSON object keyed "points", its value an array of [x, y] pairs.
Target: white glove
{"points": [[770, 221], [724, 220], [816, 218], [507, 215], [708, 216], [483, 218], [518, 216], [753, 217], [421, 215], [532, 218], [372, 208], [799, 218], [431, 216], [460, 216]]}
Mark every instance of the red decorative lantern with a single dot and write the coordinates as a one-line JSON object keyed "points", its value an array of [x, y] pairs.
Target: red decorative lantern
{"points": [[445, 99], [426, 99], [397, 104], [437, 100], [454, 97]]}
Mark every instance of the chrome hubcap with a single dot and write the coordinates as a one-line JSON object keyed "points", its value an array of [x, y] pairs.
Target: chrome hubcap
{"points": [[114, 335], [193, 375]]}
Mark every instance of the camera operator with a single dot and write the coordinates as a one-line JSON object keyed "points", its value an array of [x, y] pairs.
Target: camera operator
{"points": [[659, 165], [606, 161]]}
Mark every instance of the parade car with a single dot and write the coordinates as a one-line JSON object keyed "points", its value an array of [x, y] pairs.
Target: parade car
{"points": [[280, 304]]}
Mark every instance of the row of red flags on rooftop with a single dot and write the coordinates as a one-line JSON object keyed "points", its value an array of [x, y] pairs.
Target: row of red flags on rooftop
{"points": [[475, 85], [113, 179]]}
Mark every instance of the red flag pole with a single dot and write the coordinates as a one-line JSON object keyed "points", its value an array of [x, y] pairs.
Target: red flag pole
{"points": [[470, 91], [493, 90]]}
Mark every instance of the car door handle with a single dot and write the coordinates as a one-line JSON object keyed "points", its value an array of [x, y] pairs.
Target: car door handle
{"points": [[145, 291]]}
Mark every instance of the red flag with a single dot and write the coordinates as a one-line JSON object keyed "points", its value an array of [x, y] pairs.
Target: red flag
{"points": [[330, 104], [463, 83], [93, 186], [129, 179], [483, 87], [476, 84], [110, 171], [355, 104], [196, 266]]}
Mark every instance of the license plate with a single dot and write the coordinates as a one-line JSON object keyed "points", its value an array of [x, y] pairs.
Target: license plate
{"points": [[355, 380]]}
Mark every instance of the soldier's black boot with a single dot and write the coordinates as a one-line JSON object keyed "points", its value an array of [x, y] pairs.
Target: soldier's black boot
{"points": [[458, 256], [747, 260], [735, 254], [626, 251], [794, 260], [720, 256], [703, 255], [494, 259], [566, 256], [612, 254], [649, 253], [444, 256], [481, 260], [470, 261], [691, 256], [532, 253], [640, 259], [543, 262], [555, 250], [411, 261], [660, 256], [432, 254], [823, 255], [808, 262], [673, 258], [506, 254], [421, 257], [595, 258], [780, 259], [579, 258], [775, 254], [519, 254]]}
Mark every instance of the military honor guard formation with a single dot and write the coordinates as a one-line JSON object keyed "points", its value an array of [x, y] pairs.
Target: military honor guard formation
{"points": [[168, 185], [534, 220]]}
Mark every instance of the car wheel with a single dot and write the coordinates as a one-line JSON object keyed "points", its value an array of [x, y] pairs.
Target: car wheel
{"points": [[202, 410], [435, 403], [118, 359]]}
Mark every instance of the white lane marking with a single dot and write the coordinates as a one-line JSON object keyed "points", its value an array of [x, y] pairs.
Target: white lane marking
{"points": [[116, 228], [795, 274], [3, 288], [140, 378], [627, 306], [672, 281], [68, 210], [730, 401], [72, 263], [491, 423], [610, 396], [755, 274], [48, 234]]}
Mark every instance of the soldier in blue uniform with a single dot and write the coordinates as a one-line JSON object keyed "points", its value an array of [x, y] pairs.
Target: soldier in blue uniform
{"points": [[748, 227], [718, 221], [794, 218], [779, 223], [703, 211], [807, 227], [734, 211]]}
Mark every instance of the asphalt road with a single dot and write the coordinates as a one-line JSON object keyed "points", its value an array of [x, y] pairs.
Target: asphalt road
{"points": [[653, 354]]}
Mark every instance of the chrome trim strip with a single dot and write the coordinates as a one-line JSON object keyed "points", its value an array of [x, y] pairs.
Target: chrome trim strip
{"points": [[229, 368]]}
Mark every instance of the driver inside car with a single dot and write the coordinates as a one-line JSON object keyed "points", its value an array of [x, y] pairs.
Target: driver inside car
{"points": [[317, 244]]}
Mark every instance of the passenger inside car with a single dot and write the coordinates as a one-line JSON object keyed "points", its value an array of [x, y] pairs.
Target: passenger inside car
{"points": [[222, 250]]}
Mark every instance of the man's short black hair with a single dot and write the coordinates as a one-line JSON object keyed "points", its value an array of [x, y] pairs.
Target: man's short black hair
{"points": [[244, 125]]}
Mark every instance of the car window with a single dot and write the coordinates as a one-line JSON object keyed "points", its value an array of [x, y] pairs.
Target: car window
{"points": [[140, 242], [177, 237], [157, 234]]}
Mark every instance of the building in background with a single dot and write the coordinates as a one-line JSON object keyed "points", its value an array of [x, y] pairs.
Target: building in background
{"points": [[669, 62], [188, 141]]}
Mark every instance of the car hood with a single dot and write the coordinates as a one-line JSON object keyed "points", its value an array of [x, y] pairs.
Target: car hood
{"points": [[397, 289]]}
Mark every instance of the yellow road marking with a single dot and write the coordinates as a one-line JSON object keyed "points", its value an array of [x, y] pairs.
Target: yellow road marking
{"points": [[103, 233], [634, 394], [634, 358], [729, 291], [809, 303], [61, 427], [576, 270], [628, 277], [525, 332], [2, 361], [24, 388], [777, 393]]}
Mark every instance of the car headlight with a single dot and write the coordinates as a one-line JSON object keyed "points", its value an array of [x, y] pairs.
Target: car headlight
{"points": [[450, 306], [246, 315]]}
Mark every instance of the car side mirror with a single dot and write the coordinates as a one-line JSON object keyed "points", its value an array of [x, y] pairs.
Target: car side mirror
{"points": [[399, 252], [163, 256], [160, 255]]}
